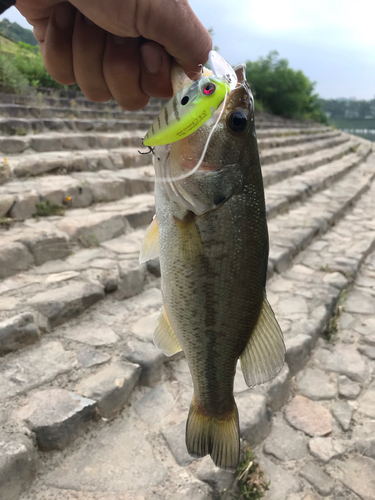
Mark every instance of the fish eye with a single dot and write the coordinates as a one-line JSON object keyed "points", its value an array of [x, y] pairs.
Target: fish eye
{"points": [[209, 89], [237, 121], [185, 100]]}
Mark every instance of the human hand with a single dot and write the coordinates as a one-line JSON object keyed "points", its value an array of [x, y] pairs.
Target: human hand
{"points": [[101, 45]]}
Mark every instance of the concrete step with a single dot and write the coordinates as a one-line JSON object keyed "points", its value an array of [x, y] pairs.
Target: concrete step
{"points": [[304, 299]]}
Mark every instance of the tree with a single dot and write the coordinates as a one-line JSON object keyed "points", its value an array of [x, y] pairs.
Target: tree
{"points": [[282, 90]]}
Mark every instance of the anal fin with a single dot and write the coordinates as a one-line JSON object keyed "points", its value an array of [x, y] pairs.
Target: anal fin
{"points": [[165, 337], [150, 245], [263, 356]]}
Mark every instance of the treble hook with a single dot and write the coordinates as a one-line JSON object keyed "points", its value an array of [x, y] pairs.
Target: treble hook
{"points": [[150, 149], [201, 65]]}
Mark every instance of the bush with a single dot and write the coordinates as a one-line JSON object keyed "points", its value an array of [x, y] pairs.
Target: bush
{"points": [[11, 80], [282, 90]]}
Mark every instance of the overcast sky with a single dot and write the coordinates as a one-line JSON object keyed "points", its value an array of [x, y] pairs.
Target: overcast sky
{"points": [[331, 41]]}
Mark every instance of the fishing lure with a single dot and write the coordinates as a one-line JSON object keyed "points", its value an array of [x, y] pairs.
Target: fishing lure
{"points": [[193, 105]]}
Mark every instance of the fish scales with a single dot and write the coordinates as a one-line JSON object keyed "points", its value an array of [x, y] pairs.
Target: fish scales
{"points": [[213, 245]]}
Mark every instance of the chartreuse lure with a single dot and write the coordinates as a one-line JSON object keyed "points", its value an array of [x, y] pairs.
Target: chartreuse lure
{"points": [[188, 110]]}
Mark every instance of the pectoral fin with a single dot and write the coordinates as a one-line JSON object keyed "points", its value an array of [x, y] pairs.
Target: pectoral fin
{"points": [[150, 245], [165, 337], [189, 239], [264, 354]]}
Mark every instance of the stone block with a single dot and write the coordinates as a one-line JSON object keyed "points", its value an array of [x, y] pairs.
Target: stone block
{"points": [[283, 483], [6, 203], [46, 143], [323, 483], [92, 333], [277, 390], [132, 279], [285, 443], [309, 417], [325, 448], [220, 480], [364, 438], [343, 414], [107, 190], [61, 304], [175, 438], [144, 327], [343, 359], [56, 416], [255, 422], [45, 246], [155, 405], [18, 465], [93, 228], [148, 357], [358, 474], [25, 205], [316, 384], [17, 332], [298, 350], [14, 258], [110, 387], [13, 145], [347, 388], [34, 367], [87, 357]]}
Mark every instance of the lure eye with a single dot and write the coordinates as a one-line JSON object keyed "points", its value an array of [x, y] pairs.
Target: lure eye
{"points": [[237, 121], [185, 100], [209, 89]]}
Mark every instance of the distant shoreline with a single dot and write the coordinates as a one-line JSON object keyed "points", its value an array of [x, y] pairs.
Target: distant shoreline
{"points": [[361, 127]]}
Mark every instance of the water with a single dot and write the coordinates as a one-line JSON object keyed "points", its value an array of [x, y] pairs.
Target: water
{"points": [[362, 128]]}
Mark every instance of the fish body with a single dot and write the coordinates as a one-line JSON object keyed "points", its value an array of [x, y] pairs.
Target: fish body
{"points": [[213, 246], [188, 109]]}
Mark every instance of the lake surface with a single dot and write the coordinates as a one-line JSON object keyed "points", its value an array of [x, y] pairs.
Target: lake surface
{"points": [[356, 126]]}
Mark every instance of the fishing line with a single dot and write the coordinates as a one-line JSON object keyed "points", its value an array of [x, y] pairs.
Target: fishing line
{"points": [[200, 161]]}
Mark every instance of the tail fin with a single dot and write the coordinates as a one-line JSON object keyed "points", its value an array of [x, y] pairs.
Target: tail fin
{"points": [[218, 437]]}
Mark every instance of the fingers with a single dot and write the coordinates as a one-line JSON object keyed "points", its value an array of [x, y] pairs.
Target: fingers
{"points": [[57, 44], [88, 51], [173, 25], [122, 71], [156, 71]]}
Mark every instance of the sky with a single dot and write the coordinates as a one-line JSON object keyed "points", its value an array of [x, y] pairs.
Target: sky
{"points": [[331, 41]]}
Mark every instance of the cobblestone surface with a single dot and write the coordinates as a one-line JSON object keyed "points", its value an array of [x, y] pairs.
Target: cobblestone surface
{"points": [[77, 314]]}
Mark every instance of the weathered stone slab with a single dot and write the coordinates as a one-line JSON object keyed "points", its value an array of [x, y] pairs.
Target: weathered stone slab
{"points": [[18, 465], [342, 359], [364, 438], [255, 422], [285, 443], [175, 437], [316, 384], [148, 357], [45, 246], [347, 388], [219, 479], [87, 357], [144, 327], [122, 452], [127, 244], [17, 332], [360, 303], [6, 203], [283, 483], [92, 333], [343, 414], [110, 387], [309, 417], [56, 416], [367, 402], [14, 257], [33, 368], [131, 280], [358, 474], [192, 490], [367, 350], [325, 448], [25, 205], [298, 351], [278, 389], [317, 478], [155, 405], [61, 304], [93, 228]]}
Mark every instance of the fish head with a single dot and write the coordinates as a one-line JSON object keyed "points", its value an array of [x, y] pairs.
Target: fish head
{"points": [[224, 149]]}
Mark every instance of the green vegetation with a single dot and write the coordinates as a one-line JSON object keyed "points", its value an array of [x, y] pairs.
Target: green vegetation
{"points": [[283, 91], [333, 325], [349, 109], [46, 208], [15, 32], [6, 222], [250, 483], [22, 67]]}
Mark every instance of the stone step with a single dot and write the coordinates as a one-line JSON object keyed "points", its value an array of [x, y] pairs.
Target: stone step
{"points": [[292, 232], [118, 158], [303, 298], [24, 126], [60, 141]]}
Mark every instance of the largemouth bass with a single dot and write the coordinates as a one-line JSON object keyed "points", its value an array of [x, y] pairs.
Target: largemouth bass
{"points": [[210, 232]]}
